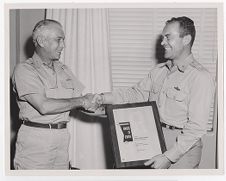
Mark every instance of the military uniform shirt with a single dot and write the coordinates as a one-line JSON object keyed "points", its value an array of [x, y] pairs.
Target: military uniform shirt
{"points": [[183, 92], [34, 77]]}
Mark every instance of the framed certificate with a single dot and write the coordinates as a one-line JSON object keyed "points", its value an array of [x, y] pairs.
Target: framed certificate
{"points": [[136, 133]]}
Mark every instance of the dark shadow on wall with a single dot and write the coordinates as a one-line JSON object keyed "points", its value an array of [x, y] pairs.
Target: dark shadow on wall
{"points": [[14, 110], [159, 51], [29, 48], [14, 123]]}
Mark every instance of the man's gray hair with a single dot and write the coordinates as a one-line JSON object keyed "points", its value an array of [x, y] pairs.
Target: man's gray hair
{"points": [[40, 26]]}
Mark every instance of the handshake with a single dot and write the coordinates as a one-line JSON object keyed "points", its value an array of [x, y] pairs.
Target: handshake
{"points": [[93, 102]]}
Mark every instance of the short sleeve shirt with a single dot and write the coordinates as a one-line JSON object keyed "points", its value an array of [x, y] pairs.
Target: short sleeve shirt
{"points": [[34, 77]]}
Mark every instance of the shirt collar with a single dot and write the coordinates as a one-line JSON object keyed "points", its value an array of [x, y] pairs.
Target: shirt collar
{"points": [[37, 61], [181, 65]]}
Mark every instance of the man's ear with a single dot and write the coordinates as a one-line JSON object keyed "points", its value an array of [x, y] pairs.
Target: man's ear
{"points": [[40, 41], [187, 39]]}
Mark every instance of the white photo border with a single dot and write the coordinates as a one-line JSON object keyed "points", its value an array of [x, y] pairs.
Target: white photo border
{"points": [[220, 93]]}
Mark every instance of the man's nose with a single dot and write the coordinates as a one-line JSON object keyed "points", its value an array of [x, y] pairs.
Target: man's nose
{"points": [[62, 44], [163, 42]]}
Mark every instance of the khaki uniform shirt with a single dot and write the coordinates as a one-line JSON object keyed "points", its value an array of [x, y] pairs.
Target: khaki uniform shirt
{"points": [[34, 77], [183, 93]]}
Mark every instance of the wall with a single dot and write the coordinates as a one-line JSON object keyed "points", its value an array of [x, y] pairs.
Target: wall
{"points": [[22, 22]]}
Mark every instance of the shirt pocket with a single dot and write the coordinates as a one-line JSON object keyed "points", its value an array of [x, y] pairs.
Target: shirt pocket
{"points": [[177, 95], [50, 90]]}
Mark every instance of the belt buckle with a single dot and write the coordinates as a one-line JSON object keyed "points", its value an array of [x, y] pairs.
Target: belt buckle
{"points": [[50, 127], [173, 127], [58, 125]]}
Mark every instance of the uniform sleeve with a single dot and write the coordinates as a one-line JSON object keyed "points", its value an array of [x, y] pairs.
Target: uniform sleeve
{"points": [[26, 81], [201, 97], [142, 90], [137, 93]]}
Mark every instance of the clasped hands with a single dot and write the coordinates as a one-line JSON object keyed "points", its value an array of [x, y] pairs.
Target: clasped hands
{"points": [[93, 102]]}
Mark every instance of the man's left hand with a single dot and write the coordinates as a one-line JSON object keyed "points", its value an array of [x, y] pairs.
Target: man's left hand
{"points": [[158, 162]]}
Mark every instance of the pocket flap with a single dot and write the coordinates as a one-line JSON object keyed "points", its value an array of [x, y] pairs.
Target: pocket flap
{"points": [[175, 94], [67, 84]]}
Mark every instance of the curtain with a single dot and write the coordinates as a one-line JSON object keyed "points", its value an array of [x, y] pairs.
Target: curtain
{"points": [[86, 53]]}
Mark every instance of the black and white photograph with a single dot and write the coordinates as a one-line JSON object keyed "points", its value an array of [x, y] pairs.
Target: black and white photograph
{"points": [[68, 63]]}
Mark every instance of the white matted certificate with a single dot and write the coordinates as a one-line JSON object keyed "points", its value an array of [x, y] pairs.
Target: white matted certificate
{"points": [[136, 133]]}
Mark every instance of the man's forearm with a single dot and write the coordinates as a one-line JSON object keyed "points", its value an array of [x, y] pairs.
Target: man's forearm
{"points": [[45, 105], [54, 106], [107, 98]]}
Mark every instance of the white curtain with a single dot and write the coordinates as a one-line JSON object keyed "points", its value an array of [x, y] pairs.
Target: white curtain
{"points": [[86, 53]]}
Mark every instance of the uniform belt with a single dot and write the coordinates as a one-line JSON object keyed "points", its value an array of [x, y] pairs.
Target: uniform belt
{"points": [[41, 125], [169, 127]]}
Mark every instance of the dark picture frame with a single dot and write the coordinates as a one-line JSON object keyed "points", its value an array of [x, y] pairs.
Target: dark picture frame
{"points": [[136, 133]]}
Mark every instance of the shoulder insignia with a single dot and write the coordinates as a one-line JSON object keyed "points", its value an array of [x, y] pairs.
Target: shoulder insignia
{"points": [[197, 65], [29, 61], [33, 63], [157, 69]]}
